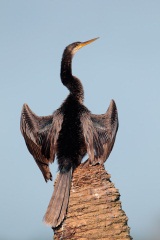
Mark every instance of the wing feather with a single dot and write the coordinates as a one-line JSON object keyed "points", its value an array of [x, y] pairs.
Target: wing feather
{"points": [[99, 133], [35, 131]]}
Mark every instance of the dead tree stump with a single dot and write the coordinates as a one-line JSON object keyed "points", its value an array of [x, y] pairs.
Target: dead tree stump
{"points": [[94, 210]]}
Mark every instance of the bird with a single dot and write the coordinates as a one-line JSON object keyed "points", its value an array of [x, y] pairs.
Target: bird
{"points": [[68, 134]]}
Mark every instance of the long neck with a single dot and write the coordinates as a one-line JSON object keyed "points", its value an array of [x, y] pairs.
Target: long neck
{"points": [[71, 82]]}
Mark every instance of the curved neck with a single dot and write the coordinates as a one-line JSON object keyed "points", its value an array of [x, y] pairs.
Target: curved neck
{"points": [[71, 82]]}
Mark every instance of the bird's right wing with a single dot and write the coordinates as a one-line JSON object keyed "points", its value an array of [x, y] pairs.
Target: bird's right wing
{"points": [[36, 132]]}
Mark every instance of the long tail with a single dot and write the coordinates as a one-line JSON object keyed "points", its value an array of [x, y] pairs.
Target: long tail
{"points": [[57, 207]]}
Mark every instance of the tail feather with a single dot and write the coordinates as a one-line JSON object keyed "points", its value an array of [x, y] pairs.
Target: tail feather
{"points": [[57, 207], [65, 200]]}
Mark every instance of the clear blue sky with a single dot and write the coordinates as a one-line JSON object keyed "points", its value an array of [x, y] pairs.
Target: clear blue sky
{"points": [[124, 64]]}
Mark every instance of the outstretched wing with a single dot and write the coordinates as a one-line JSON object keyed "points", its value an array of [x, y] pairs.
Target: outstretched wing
{"points": [[35, 131], [99, 133]]}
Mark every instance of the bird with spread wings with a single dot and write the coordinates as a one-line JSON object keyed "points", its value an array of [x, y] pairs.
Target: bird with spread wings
{"points": [[70, 133]]}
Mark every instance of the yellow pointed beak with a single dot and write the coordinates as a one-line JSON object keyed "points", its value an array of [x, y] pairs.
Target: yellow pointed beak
{"points": [[85, 43]]}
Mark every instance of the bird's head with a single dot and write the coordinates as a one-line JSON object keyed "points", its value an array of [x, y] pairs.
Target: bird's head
{"points": [[74, 47]]}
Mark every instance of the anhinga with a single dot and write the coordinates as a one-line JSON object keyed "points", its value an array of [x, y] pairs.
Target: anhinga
{"points": [[69, 133]]}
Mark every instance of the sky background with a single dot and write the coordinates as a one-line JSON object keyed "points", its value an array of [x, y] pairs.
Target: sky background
{"points": [[124, 64]]}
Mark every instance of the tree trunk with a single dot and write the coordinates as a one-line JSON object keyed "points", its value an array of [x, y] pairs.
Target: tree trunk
{"points": [[94, 210]]}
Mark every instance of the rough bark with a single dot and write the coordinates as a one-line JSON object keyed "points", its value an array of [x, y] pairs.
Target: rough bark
{"points": [[94, 210]]}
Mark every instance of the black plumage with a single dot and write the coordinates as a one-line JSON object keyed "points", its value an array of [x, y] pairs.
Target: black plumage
{"points": [[69, 133]]}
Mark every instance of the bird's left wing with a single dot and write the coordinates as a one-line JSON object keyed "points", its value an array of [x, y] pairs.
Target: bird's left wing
{"points": [[99, 133], [35, 131]]}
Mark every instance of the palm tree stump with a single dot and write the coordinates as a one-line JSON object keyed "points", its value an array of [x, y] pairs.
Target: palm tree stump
{"points": [[94, 210]]}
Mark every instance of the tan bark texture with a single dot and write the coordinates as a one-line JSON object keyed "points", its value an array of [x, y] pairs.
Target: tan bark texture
{"points": [[94, 210]]}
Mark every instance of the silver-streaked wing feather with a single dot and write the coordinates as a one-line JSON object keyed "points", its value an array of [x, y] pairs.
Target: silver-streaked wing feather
{"points": [[35, 131], [99, 133], [50, 142], [106, 126]]}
